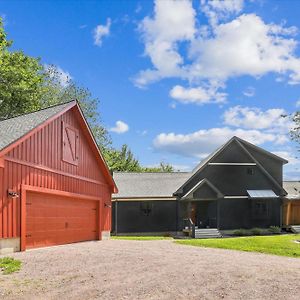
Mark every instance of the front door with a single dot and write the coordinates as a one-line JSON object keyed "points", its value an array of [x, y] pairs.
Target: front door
{"points": [[206, 214]]}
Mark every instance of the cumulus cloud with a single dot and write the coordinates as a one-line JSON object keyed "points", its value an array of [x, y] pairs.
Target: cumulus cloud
{"points": [[216, 10], [205, 141], [173, 22], [101, 31], [120, 127], [298, 103], [245, 46], [255, 118], [198, 95], [241, 45]]}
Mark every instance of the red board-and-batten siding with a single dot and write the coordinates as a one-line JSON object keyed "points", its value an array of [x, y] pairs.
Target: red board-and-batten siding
{"points": [[37, 162]]}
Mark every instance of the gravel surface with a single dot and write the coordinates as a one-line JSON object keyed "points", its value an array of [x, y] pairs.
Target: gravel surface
{"points": [[119, 269]]}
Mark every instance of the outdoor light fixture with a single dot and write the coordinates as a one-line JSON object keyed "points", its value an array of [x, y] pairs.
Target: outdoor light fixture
{"points": [[107, 205], [12, 194]]}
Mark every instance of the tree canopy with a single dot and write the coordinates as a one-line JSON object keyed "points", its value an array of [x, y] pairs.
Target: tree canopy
{"points": [[20, 80]]}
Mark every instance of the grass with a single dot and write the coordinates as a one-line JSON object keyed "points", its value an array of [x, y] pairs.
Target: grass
{"points": [[9, 265], [283, 245], [140, 238]]}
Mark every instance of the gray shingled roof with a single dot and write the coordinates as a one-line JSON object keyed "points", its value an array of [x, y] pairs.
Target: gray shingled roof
{"points": [[13, 129], [139, 185], [292, 188]]}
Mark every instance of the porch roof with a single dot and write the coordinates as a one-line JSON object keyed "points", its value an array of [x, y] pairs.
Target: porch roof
{"points": [[261, 194]]}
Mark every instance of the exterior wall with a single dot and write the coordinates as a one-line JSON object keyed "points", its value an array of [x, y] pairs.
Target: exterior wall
{"points": [[291, 212], [235, 180], [238, 213], [131, 219], [38, 162]]}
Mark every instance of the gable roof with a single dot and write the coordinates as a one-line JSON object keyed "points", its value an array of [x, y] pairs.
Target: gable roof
{"points": [[201, 183], [139, 185], [241, 142], [15, 130]]}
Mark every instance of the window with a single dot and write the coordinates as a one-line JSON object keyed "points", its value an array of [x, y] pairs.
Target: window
{"points": [[250, 171], [70, 142], [146, 208], [260, 209]]}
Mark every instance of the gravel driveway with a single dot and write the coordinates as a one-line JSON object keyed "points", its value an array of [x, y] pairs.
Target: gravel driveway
{"points": [[119, 269]]}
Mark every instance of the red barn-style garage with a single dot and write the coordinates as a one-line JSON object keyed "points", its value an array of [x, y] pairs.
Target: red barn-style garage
{"points": [[55, 187]]}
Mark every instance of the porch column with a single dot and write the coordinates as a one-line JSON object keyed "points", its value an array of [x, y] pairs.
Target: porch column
{"points": [[289, 213]]}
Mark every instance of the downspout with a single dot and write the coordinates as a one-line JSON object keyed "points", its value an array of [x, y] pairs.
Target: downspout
{"points": [[116, 217]]}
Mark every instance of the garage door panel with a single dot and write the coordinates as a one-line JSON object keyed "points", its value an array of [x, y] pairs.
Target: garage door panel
{"points": [[54, 220]]}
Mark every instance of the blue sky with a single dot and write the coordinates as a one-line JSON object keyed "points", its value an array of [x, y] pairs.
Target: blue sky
{"points": [[176, 79]]}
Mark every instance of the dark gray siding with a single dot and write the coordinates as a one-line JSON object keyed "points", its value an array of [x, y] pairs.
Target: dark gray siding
{"points": [[131, 218], [233, 180], [273, 166], [240, 213]]}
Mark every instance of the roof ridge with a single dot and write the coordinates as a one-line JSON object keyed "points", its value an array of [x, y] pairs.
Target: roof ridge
{"points": [[45, 108]]}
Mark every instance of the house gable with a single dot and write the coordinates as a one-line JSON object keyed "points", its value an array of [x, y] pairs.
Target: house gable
{"points": [[204, 190], [63, 143], [213, 169]]}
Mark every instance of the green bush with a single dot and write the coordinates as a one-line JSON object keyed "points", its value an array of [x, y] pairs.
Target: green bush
{"points": [[275, 229], [256, 231], [241, 232], [9, 265]]}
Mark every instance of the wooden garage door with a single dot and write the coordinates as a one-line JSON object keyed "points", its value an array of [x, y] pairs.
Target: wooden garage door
{"points": [[55, 220]]}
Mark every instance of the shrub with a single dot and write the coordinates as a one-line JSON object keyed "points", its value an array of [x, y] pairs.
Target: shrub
{"points": [[275, 229], [241, 232], [9, 265], [256, 231]]}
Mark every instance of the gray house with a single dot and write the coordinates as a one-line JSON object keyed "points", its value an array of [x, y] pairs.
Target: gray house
{"points": [[237, 186]]}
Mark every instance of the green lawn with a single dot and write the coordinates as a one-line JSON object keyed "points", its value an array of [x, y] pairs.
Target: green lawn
{"points": [[140, 238], [9, 265], [278, 244]]}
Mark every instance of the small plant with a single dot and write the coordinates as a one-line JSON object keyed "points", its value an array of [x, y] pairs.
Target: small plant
{"points": [[275, 229], [9, 265], [256, 231], [241, 232]]}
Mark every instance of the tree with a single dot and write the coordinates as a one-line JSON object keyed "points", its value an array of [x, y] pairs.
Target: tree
{"points": [[121, 160], [55, 91], [20, 80], [163, 167], [295, 132]]}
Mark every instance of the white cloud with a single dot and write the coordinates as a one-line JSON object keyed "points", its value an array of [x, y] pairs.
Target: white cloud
{"points": [[249, 91], [205, 141], [101, 31], [216, 10], [173, 22], [197, 95], [120, 127], [298, 103], [255, 118], [245, 46], [179, 46], [63, 77]]}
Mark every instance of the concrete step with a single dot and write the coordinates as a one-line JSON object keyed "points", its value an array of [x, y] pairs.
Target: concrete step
{"points": [[295, 228], [207, 233]]}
